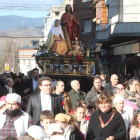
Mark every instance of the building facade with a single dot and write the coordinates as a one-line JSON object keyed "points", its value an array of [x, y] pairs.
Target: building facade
{"points": [[27, 60], [117, 30]]}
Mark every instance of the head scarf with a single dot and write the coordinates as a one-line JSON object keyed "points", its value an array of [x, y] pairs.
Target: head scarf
{"points": [[57, 30]]}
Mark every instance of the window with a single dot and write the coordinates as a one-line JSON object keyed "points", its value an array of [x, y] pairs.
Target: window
{"points": [[107, 7], [87, 25], [31, 44]]}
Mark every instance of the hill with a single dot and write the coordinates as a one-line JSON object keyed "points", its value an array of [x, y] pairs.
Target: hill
{"points": [[10, 22]]}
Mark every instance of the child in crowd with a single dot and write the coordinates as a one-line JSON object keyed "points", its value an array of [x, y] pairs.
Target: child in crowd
{"points": [[35, 132], [135, 125], [83, 102], [55, 129], [80, 119], [91, 107], [119, 104], [46, 118]]}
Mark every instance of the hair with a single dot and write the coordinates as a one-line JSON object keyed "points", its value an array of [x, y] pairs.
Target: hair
{"points": [[24, 138], [44, 78], [75, 117], [131, 81], [91, 105], [80, 102], [97, 77], [35, 69], [104, 98], [134, 120], [7, 81], [46, 114], [58, 82], [103, 73], [115, 90], [11, 138]]}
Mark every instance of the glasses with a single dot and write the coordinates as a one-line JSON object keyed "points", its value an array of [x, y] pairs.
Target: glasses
{"points": [[49, 85]]}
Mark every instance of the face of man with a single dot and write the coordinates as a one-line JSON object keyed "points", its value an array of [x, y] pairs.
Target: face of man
{"points": [[11, 83], [60, 87], [12, 105], [68, 8], [97, 84], [12, 108], [133, 87], [120, 86], [35, 74], [46, 87], [103, 77], [76, 85], [114, 80]]}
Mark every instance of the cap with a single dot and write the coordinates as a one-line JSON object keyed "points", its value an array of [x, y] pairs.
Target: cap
{"points": [[55, 128], [13, 97], [62, 117], [36, 132], [118, 98]]}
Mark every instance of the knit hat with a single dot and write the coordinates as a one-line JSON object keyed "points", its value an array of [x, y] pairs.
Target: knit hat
{"points": [[2, 101], [55, 128], [118, 98], [62, 117], [13, 97], [36, 132], [58, 137]]}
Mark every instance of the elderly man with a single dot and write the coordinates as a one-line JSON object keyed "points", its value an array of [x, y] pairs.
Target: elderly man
{"points": [[44, 100], [7, 88], [97, 88], [114, 81], [14, 122], [75, 93], [66, 101]]}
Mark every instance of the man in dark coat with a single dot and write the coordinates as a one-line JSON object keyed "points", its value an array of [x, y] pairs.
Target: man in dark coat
{"points": [[96, 89], [109, 87], [7, 88], [31, 84], [75, 93], [44, 100]]}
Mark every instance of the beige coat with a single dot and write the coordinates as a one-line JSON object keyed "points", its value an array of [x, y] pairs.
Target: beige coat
{"points": [[84, 127], [133, 132]]}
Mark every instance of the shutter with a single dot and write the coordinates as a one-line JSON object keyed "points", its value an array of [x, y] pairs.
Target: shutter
{"points": [[87, 25]]}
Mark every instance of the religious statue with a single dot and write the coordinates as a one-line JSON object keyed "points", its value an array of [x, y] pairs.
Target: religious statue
{"points": [[56, 41], [70, 27], [77, 49]]}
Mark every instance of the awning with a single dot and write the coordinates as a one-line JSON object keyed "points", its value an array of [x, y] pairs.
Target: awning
{"points": [[132, 61]]}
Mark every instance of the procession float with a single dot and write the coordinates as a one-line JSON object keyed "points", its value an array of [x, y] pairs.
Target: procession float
{"points": [[63, 54]]}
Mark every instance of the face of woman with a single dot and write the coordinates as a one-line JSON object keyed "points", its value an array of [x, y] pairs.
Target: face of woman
{"points": [[57, 23], [105, 107]]}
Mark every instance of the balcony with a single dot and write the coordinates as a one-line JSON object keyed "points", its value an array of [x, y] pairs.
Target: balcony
{"points": [[122, 25]]}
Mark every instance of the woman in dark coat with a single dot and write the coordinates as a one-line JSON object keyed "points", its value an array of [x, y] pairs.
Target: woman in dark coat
{"points": [[106, 123]]}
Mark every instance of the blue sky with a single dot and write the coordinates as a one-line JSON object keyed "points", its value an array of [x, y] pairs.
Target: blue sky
{"points": [[27, 8]]}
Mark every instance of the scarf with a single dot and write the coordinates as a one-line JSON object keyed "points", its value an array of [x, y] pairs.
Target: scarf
{"points": [[9, 89]]}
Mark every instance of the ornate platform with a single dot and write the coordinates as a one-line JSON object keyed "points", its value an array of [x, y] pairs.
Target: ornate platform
{"points": [[65, 66]]}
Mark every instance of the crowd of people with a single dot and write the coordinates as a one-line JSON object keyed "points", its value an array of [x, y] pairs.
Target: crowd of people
{"points": [[35, 107]]}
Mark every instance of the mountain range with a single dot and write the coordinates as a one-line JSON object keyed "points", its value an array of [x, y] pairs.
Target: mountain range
{"points": [[9, 22]]}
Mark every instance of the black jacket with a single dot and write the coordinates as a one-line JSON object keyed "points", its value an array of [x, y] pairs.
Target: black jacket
{"points": [[109, 88], [75, 135], [29, 84], [34, 106], [115, 127], [4, 91]]}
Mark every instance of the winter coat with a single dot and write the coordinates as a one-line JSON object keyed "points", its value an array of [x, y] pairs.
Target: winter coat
{"points": [[92, 94], [115, 127], [75, 96]]}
